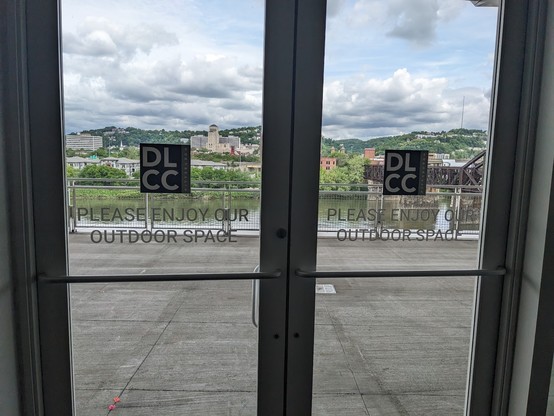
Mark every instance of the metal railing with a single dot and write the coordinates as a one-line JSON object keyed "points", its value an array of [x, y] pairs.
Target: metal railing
{"points": [[118, 203]]}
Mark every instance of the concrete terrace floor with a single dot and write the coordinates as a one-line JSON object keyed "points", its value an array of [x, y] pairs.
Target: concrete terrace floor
{"points": [[382, 347]]}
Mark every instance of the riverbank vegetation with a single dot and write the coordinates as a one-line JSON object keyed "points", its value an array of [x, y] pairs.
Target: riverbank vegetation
{"points": [[350, 162]]}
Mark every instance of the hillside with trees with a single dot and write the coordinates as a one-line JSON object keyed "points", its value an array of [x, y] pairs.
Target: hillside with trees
{"points": [[131, 136], [459, 143]]}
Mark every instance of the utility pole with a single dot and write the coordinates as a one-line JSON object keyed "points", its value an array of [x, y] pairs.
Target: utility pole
{"points": [[463, 107]]}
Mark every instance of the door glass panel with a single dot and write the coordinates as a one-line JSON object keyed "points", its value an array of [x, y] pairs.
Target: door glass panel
{"points": [[171, 72], [400, 76], [163, 72]]}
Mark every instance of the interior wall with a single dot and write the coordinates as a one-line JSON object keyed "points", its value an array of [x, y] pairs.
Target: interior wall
{"points": [[8, 370], [9, 397]]}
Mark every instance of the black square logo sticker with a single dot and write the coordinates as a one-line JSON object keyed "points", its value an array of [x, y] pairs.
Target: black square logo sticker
{"points": [[164, 168], [405, 172]]}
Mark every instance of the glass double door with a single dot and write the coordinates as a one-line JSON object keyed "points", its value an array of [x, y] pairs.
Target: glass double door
{"points": [[285, 282]]}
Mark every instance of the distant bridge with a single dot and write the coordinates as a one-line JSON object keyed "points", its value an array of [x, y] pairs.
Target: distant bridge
{"points": [[468, 176]]}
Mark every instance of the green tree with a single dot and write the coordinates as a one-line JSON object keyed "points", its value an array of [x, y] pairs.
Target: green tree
{"points": [[71, 172], [220, 175], [130, 153], [101, 172], [356, 167], [100, 152], [351, 172]]}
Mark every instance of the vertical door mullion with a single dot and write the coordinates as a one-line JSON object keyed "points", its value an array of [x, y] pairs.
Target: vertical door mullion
{"points": [[274, 217], [47, 169], [308, 89], [507, 186]]}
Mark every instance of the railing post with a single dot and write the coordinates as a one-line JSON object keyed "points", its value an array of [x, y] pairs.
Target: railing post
{"points": [[223, 207], [146, 215], [379, 227], [74, 210], [458, 202], [229, 207]]}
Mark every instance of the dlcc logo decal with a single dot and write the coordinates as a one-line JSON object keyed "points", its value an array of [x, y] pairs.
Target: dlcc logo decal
{"points": [[164, 168], [405, 172]]}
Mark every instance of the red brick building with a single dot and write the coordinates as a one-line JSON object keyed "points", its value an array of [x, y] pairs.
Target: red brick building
{"points": [[369, 153], [328, 163]]}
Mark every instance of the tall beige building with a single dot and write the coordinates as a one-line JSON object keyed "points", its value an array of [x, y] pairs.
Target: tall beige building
{"points": [[214, 142]]}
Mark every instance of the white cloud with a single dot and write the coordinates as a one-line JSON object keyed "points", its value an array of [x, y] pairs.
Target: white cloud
{"points": [[361, 107], [174, 92], [140, 74], [185, 65], [415, 21], [102, 37]]}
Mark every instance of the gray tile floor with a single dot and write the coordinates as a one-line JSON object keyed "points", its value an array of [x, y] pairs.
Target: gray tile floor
{"points": [[382, 346]]}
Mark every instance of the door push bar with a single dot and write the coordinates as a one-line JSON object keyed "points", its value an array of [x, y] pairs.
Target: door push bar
{"points": [[255, 298], [158, 277], [500, 271], [265, 275]]}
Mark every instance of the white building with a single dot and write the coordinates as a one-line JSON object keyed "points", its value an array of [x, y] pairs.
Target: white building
{"points": [[130, 166], [195, 163], [83, 142], [78, 162], [251, 167]]}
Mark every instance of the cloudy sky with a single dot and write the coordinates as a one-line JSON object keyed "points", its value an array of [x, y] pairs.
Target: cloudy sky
{"points": [[391, 66]]}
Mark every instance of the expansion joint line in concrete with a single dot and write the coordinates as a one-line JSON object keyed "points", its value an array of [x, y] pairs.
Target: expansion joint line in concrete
{"points": [[151, 349]]}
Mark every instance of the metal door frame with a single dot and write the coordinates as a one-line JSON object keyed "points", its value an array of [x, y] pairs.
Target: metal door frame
{"points": [[515, 92], [41, 22], [295, 32]]}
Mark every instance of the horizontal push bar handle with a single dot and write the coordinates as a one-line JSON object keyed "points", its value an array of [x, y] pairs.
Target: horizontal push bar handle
{"points": [[159, 277], [403, 273]]}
